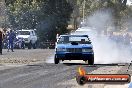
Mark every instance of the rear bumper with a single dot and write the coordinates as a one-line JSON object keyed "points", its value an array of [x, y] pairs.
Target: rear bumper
{"points": [[74, 56]]}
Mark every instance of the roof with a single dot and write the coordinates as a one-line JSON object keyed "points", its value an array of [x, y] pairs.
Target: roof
{"points": [[85, 29], [25, 30], [75, 35]]}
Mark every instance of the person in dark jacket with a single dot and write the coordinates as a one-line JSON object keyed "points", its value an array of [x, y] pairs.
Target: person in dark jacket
{"points": [[11, 40], [1, 38]]}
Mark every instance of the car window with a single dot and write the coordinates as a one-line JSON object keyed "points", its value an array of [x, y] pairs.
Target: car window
{"points": [[24, 33], [32, 33], [70, 39]]}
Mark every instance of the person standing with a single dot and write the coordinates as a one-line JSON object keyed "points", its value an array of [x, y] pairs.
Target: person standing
{"points": [[7, 39], [11, 40], [23, 43], [1, 38]]}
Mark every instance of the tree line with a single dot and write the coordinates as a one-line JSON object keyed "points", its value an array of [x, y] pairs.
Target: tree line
{"points": [[121, 12], [49, 17]]}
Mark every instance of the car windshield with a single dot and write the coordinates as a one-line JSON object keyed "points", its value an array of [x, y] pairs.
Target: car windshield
{"points": [[77, 39], [24, 33]]}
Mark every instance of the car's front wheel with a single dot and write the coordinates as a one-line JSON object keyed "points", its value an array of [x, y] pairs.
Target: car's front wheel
{"points": [[34, 46], [91, 61], [56, 60]]}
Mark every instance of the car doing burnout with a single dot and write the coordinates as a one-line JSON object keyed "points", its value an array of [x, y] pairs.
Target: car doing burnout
{"points": [[74, 47]]}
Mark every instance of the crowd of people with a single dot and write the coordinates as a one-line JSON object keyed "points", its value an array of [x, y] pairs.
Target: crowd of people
{"points": [[9, 41]]}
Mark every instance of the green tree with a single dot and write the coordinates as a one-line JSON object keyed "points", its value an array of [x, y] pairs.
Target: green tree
{"points": [[49, 17], [120, 11], [57, 14]]}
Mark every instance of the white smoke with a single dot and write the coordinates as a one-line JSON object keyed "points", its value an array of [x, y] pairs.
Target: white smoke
{"points": [[106, 51]]}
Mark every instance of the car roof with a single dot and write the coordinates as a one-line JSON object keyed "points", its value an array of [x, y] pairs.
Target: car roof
{"points": [[83, 29], [25, 30], [75, 35]]}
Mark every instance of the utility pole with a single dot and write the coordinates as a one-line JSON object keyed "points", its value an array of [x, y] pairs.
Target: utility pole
{"points": [[84, 10]]}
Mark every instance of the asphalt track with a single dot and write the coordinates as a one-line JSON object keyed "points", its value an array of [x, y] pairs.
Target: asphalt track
{"points": [[49, 75], [44, 75]]}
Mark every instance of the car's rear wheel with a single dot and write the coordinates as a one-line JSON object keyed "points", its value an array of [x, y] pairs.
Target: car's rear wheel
{"points": [[34, 46], [56, 60], [29, 45]]}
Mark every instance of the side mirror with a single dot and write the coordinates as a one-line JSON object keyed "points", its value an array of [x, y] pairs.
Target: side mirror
{"points": [[31, 33]]}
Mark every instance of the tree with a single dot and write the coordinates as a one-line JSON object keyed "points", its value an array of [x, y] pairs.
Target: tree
{"points": [[120, 11], [57, 15], [49, 17]]}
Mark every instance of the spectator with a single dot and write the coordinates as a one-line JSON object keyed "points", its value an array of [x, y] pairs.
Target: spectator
{"points": [[23, 44], [7, 37], [57, 37], [1, 38], [11, 40]]}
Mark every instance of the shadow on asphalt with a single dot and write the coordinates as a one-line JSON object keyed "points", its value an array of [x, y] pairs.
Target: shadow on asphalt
{"points": [[70, 64], [116, 64]]}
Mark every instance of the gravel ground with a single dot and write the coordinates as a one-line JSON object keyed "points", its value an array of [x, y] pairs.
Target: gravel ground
{"points": [[22, 57]]}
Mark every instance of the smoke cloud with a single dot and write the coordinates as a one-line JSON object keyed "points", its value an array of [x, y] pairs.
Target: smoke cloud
{"points": [[106, 50]]}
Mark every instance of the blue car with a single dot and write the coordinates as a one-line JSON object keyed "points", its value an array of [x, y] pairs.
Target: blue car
{"points": [[74, 47]]}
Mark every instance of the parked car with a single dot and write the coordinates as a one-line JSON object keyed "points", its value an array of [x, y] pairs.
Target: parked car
{"points": [[47, 45], [74, 47], [29, 37]]}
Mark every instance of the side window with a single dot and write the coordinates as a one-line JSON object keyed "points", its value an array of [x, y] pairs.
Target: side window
{"points": [[34, 33], [61, 39], [31, 33]]}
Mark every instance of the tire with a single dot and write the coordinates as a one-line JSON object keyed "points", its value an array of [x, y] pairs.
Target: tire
{"points": [[91, 61], [34, 46], [29, 45], [23, 47], [56, 60]]}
